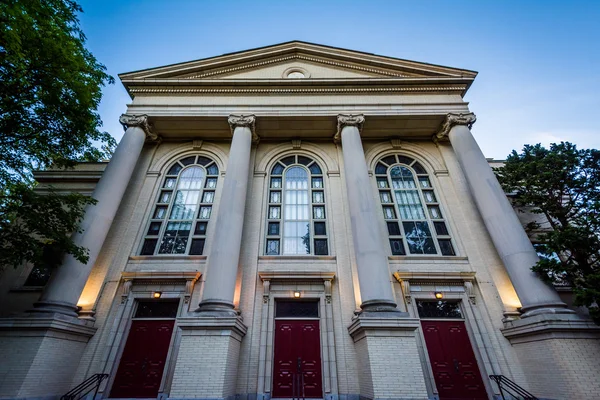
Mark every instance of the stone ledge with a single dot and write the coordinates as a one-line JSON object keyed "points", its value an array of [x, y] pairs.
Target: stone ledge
{"points": [[212, 323], [36, 324], [388, 324], [550, 326]]}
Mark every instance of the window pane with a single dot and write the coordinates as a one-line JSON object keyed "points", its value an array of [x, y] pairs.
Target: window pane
{"points": [[188, 160], [165, 197], [197, 247], [405, 160], [274, 212], [440, 228], [160, 212], [273, 228], [296, 238], [434, 212], [272, 247], [203, 160], [446, 247], [320, 228], [380, 169], [157, 309], [277, 169], [205, 212], [208, 197], [439, 309], [201, 228], [429, 196], [393, 228], [174, 169], [382, 183], [397, 247], [389, 213], [418, 168], [211, 183], [212, 169], [154, 228], [304, 160], [317, 183], [275, 197], [315, 169], [385, 197], [318, 197], [148, 247], [191, 178], [170, 183], [276, 183], [321, 247], [409, 204], [296, 309], [424, 182], [318, 212], [175, 239], [184, 204], [389, 160], [418, 237], [289, 160]]}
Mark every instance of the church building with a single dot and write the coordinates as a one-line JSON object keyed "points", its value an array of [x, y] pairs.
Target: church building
{"points": [[294, 221]]}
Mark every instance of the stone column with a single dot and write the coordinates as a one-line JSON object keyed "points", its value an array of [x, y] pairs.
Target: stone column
{"points": [[507, 233], [371, 255], [222, 262], [64, 288]]}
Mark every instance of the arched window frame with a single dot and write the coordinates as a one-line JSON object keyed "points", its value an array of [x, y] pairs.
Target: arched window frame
{"points": [[429, 201], [276, 218], [160, 216]]}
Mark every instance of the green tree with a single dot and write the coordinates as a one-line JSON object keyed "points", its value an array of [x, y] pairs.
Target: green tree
{"points": [[50, 88], [562, 185]]}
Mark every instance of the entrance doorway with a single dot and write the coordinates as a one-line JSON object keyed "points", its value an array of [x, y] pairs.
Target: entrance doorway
{"points": [[297, 351], [451, 355], [143, 360]]}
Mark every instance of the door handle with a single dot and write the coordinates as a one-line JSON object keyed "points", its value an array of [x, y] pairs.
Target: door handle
{"points": [[299, 364], [455, 365], [144, 364]]}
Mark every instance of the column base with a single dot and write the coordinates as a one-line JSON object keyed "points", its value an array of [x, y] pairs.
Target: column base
{"points": [[207, 359], [379, 305], [216, 308], [559, 354], [547, 308], [40, 354], [386, 343], [55, 307]]}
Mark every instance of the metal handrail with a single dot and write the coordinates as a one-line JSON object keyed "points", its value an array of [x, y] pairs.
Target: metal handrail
{"points": [[90, 384], [511, 388]]}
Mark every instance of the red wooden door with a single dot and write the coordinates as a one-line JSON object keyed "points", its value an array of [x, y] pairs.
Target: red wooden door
{"points": [[452, 360], [143, 360], [297, 339]]}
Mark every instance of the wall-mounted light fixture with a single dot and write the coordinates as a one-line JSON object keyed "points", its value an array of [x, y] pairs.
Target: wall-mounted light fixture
{"points": [[157, 295], [439, 295], [297, 295]]}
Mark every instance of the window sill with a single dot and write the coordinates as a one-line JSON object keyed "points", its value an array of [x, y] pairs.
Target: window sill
{"points": [[428, 258], [167, 258], [296, 258]]}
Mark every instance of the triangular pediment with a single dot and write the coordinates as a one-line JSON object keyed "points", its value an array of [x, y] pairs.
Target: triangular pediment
{"points": [[312, 61]]}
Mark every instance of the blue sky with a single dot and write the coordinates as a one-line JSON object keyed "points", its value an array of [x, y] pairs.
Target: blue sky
{"points": [[538, 61]]}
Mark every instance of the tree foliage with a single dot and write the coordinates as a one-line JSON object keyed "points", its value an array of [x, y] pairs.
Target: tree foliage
{"points": [[50, 88], [562, 185]]}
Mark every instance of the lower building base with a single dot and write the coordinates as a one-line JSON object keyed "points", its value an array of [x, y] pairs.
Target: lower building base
{"points": [[207, 359], [40, 354], [386, 343], [559, 353]]}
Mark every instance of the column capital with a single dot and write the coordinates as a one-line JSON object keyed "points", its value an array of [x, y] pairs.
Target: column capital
{"points": [[343, 120], [453, 119], [248, 121], [141, 121]]}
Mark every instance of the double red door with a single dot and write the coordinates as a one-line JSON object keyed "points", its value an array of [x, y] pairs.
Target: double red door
{"points": [[452, 360], [143, 360], [297, 358]]}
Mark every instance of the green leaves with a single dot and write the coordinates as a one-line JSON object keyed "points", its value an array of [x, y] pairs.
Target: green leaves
{"points": [[50, 88], [562, 184]]}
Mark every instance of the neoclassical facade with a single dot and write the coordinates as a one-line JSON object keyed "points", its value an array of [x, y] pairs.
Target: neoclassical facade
{"points": [[294, 221]]}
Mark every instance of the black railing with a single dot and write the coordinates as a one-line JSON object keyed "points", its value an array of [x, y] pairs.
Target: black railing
{"points": [[86, 387], [512, 389]]}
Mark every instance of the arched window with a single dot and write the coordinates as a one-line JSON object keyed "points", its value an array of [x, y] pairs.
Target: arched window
{"points": [[411, 209], [180, 217], [296, 222]]}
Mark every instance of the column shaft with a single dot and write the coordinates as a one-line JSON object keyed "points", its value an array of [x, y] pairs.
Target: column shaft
{"points": [[223, 259], [507, 233], [64, 288], [371, 255]]}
